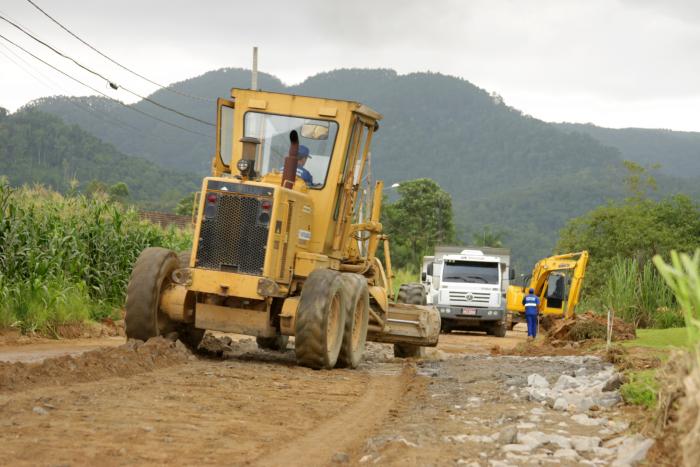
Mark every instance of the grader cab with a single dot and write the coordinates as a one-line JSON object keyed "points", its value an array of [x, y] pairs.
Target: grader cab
{"points": [[285, 241]]}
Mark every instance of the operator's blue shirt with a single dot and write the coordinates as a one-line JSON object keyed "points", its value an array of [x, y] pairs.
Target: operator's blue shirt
{"points": [[305, 175], [531, 303]]}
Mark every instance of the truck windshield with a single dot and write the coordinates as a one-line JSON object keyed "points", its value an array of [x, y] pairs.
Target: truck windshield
{"points": [[471, 272], [273, 133]]}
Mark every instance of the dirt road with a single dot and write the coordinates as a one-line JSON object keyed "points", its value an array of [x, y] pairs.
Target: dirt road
{"points": [[158, 404]]}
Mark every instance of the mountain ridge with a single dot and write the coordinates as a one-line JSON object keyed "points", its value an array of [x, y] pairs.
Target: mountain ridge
{"points": [[502, 168]]}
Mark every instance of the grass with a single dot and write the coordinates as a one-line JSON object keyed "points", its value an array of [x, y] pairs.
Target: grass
{"points": [[660, 338], [403, 276], [641, 389], [642, 386], [682, 275], [638, 294]]}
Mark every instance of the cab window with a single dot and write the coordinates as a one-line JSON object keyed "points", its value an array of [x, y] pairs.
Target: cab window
{"points": [[273, 133]]}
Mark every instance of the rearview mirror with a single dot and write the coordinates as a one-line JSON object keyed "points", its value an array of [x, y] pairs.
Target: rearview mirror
{"points": [[314, 131]]}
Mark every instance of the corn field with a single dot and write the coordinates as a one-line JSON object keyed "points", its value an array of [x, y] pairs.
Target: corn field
{"points": [[65, 259]]}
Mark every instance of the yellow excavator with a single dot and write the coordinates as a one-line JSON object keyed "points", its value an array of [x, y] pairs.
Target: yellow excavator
{"points": [[557, 280]]}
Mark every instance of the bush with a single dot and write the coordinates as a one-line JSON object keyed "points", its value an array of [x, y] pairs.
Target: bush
{"points": [[638, 295], [641, 388], [68, 259]]}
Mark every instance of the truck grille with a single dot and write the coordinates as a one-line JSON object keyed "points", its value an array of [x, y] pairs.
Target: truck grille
{"points": [[232, 236], [469, 297]]}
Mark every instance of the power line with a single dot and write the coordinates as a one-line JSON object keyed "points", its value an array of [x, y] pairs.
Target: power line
{"points": [[167, 88], [48, 83], [110, 82], [103, 94]]}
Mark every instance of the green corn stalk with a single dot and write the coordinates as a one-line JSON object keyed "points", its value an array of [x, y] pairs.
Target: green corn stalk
{"points": [[683, 277]]}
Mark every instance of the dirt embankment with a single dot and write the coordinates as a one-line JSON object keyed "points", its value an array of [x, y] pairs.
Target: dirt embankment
{"points": [[128, 359]]}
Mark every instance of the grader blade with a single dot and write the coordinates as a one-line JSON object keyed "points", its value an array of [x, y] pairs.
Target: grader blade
{"points": [[409, 324]]}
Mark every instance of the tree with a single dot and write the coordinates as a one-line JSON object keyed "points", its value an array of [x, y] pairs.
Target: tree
{"points": [[119, 192], [488, 237], [96, 187], [634, 228], [419, 220], [638, 180], [184, 206]]}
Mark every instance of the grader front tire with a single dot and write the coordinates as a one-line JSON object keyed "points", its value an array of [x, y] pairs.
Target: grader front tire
{"points": [[186, 332], [356, 320], [320, 320], [150, 275], [412, 294]]}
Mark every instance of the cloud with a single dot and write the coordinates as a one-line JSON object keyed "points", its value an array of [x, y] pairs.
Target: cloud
{"points": [[626, 54]]}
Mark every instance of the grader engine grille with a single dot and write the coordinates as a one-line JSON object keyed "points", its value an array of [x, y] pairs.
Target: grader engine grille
{"points": [[233, 235]]}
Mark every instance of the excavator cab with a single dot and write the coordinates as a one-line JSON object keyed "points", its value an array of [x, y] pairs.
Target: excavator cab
{"points": [[557, 280]]}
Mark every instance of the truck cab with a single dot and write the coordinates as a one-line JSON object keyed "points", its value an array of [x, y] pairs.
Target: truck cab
{"points": [[468, 289]]}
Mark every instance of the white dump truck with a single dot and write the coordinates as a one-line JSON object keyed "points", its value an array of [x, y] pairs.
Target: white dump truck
{"points": [[468, 286]]}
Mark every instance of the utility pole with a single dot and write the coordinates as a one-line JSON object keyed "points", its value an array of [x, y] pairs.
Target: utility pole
{"points": [[254, 77]]}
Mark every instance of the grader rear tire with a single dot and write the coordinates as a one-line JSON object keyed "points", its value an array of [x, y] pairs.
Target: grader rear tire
{"points": [[320, 320], [356, 320], [412, 294], [150, 275], [277, 343]]}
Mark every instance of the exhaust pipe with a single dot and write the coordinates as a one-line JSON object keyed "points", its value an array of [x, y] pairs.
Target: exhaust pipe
{"points": [[289, 175]]}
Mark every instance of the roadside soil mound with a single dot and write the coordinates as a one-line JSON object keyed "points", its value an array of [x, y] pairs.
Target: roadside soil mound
{"points": [[588, 326], [676, 424], [85, 330], [128, 359]]}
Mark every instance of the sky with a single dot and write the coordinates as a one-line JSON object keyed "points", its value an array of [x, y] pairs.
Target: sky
{"points": [[615, 63]]}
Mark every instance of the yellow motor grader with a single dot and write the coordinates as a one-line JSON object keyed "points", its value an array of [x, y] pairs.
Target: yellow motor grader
{"points": [[285, 240]]}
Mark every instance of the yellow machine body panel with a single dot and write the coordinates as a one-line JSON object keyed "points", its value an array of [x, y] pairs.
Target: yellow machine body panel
{"points": [[557, 280]]}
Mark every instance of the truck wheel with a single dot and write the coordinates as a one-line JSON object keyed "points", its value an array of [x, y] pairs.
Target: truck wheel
{"points": [[278, 343], [356, 320], [500, 330], [412, 294], [150, 275], [320, 320]]}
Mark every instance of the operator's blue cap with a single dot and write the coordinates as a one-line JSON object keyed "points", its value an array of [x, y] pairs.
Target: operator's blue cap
{"points": [[302, 152], [532, 290]]}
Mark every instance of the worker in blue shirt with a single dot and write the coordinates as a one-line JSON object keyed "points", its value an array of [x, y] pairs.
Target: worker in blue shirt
{"points": [[532, 305], [302, 156]]}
